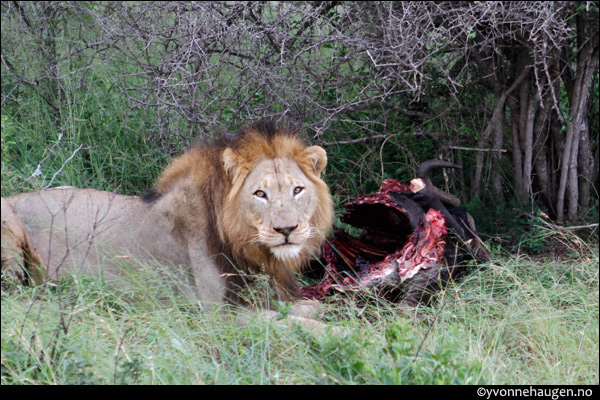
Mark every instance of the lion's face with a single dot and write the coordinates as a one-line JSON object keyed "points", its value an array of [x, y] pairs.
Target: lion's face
{"points": [[278, 209], [279, 201]]}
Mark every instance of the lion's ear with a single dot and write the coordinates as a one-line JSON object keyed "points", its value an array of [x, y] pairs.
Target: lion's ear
{"points": [[229, 161], [318, 157]]}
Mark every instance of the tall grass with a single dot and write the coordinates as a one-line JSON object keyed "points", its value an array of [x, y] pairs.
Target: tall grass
{"points": [[511, 321], [94, 141]]}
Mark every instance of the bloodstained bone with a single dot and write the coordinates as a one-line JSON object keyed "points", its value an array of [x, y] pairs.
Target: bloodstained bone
{"points": [[395, 256]]}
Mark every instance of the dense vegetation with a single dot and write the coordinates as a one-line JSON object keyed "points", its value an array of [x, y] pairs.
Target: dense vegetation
{"points": [[508, 90], [515, 321], [103, 94]]}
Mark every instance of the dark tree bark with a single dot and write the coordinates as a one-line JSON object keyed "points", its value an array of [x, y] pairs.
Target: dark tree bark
{"points": [[587, 65], [354, 73]]}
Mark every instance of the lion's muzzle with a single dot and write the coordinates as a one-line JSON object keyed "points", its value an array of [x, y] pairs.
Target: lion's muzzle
{"points": [[286, 231]]}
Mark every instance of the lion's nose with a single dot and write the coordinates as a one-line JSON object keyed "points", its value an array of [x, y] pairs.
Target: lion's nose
{"points": [[286, 231]]}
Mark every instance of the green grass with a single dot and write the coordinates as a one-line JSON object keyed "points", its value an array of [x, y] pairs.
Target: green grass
{"points": [[92, 142], [514, 321]]}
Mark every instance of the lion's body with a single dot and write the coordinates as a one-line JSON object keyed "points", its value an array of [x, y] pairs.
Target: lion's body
{"points": [[249, 204], [20, 260], [91, 232]]}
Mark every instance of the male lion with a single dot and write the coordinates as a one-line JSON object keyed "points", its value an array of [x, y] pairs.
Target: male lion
{"points": [[246, 203]]}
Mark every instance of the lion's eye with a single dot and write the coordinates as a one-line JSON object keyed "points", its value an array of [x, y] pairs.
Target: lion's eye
{"points": [[298, 189], [261, 194]]}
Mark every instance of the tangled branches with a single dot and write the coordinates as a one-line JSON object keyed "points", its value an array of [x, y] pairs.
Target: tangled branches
{"points": [[353, 71]]}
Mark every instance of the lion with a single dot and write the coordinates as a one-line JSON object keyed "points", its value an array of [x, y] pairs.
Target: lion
{"points": [[20, 260], [242, 205]]}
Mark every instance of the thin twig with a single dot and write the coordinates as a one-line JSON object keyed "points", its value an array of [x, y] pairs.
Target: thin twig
{"points": [[475, 149], [65, 163], [118, 349], [359, 140], [575, 228], [38, 170]]}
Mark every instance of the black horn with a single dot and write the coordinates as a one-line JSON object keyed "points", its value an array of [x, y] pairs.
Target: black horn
{"points": [[423, 173]]}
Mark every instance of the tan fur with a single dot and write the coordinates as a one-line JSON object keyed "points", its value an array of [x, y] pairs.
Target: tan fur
{"points": [[20, 259], [204, 220], [223, 171]]}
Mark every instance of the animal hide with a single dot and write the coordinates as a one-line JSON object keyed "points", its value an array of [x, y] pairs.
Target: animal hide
{"points": [[404, 252]]}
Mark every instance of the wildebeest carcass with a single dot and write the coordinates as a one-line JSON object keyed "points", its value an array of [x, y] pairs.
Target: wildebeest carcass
{"points": [[414, 239]]}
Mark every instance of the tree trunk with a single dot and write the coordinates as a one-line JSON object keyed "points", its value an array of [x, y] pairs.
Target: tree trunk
{"points": [[540, 140], [573, 182], [528, 144], [517, 159], [585, 164], [587, 64], [55, 93], [496, 123], [596, 173], [496, 159]]}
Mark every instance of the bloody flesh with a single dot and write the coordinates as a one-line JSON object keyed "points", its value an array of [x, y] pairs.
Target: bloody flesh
{"points": [[391, 257]]}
